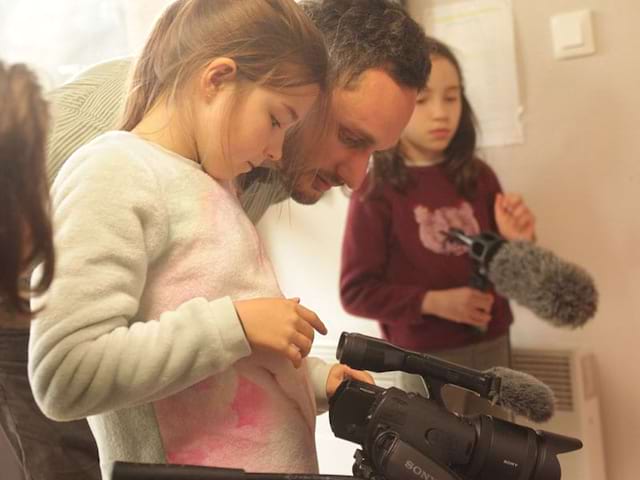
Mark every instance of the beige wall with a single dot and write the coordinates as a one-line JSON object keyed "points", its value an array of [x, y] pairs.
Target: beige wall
{"points": [[579, 168]]}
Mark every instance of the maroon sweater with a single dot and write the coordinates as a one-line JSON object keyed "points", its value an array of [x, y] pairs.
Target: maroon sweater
{"points": [[393, 253]]}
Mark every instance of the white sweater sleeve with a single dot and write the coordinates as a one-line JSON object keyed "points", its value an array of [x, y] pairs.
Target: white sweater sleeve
{"points": [[89, 353], [319, 373]]}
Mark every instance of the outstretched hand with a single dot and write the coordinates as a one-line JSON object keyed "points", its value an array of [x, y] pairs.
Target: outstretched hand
{"points": [[514, 219], [340, 373]]}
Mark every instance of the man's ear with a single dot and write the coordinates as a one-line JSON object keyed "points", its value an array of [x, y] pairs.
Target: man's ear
{"points": [[216, 73]]}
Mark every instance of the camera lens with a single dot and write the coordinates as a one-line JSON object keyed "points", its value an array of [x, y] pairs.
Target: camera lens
{"points": [[512, 452]]}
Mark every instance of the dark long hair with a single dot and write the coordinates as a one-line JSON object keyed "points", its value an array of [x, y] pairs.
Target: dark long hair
{"points": [[460, 162], [25, 227]]}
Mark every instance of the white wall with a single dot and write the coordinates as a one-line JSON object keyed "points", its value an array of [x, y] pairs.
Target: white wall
{"points": [[579, 169]]}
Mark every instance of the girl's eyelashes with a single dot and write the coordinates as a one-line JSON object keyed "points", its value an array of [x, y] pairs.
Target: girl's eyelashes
{"points": [[275, 122], [423, 99], [449, 99]]}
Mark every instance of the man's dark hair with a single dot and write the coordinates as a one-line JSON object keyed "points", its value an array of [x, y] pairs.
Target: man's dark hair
{"points": [[364, 34]]}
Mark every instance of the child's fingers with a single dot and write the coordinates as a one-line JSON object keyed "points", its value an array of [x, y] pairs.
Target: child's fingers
{"points": [[312, 318], [480, 317], [360, 375], [523, 223], [504, 203], [305, 329], [294, 355], [511, 199], [487, 302], [303, 343], [482, 299], [509, 203], [518, 208], [521, 211]]}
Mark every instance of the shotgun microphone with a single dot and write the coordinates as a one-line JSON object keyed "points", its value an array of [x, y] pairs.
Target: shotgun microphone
{"points": [[560, 292]]}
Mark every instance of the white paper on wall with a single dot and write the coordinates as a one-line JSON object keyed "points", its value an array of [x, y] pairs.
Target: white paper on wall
{"points": [[481, 34]]}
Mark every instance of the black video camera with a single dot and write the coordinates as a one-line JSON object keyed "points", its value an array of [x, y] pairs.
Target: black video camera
{"points": [[406, 436]]}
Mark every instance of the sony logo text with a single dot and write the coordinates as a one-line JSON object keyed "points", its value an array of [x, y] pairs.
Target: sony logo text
{"points": [[418, 471]]}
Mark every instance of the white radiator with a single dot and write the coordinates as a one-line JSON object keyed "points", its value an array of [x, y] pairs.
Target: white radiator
{"points": [[573, 377]]}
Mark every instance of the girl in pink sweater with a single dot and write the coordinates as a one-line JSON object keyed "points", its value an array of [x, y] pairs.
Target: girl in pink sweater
{"points": [[165, 325]]}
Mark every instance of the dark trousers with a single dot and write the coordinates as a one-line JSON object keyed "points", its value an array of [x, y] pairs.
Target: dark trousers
{"points": [[45, 449]]}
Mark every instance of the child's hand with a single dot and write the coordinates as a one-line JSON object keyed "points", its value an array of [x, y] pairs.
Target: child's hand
{"points": [[514, 219], [461, 305], [279, 325], [340, 373]]}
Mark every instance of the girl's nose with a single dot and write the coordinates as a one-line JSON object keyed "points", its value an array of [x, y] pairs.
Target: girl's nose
{"points": [[439, 110], [273, 151]]}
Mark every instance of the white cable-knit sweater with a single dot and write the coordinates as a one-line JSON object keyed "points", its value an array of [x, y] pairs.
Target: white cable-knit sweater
{"points": [[138, 331]]}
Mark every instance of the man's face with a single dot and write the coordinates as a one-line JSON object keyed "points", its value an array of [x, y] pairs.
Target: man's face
{"points": [[365, 117]]}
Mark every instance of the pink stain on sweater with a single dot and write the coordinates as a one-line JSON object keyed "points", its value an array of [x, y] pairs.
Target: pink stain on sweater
{"points": [[248, 404], [203, 426]]}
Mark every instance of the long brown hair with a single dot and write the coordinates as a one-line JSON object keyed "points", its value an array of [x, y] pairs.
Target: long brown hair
{"points": [[461, 164], [272, 42], [25, 227]]}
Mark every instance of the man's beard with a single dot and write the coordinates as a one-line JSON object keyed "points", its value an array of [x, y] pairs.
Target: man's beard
{"points": [[305, 198], [303, 190], [297, 185], [297, 171], [299, 181]]}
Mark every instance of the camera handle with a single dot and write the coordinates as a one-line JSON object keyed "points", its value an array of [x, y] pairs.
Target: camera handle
{"points": [[434, 389]]}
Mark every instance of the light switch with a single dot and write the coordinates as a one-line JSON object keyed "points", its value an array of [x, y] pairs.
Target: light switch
{"points": [[572, 34], [569, 33]]}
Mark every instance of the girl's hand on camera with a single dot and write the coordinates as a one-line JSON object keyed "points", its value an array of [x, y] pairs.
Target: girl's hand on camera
{"points": [[340, 373], [279, 325]]}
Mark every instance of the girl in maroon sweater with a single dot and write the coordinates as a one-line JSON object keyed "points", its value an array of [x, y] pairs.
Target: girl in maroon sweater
{"points": [[397, 266]]}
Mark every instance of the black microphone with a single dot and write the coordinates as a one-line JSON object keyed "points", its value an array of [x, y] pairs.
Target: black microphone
{"points": [[555, 290], [519, 392], [158, 471]]}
